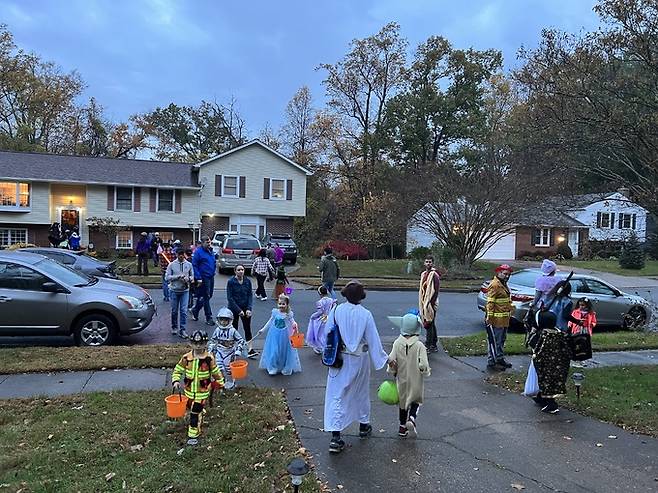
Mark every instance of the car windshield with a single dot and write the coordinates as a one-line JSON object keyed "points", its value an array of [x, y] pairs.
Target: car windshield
{"points": [[63, 274], [242, 244], [524, 278]]}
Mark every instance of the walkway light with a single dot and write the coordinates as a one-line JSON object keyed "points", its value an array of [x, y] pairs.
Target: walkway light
{"points": [[297, 469], [578, 379]]}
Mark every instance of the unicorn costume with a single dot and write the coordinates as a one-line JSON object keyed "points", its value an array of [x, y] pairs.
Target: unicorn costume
{"points": [[225, 344]]}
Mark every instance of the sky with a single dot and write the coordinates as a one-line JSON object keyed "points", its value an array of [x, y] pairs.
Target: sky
{"points": [[136, 55]]}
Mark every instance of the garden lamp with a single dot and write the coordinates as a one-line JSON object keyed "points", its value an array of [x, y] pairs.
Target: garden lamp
{"points": [[297, 469], [578, 379]]}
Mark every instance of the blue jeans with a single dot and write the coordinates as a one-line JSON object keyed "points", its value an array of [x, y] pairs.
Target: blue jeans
{"points": [[179, 307], [330, 287], [165, 288], [204, 293]]}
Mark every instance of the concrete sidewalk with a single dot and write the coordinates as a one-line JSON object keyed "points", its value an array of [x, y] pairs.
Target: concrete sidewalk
{"points": [[473, 437]]}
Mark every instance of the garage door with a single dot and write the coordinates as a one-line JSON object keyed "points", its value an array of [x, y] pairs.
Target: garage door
{"points": [[503, 249]]}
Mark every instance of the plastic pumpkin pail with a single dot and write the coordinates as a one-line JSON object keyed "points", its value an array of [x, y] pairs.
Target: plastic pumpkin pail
{"points": [[388, 392], [239, 369], [176, 405], [297, 340]]}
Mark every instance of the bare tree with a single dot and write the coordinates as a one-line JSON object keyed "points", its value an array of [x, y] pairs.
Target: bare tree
{"points": [[298, 129]]}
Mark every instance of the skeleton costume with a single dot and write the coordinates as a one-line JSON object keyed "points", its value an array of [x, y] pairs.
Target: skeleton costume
{"points": [[226, 343]]}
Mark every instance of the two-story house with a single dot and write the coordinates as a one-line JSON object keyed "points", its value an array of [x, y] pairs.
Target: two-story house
{"points": [[251, 189]]}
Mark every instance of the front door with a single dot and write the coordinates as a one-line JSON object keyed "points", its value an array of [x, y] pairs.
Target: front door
{"points": [[70, 219], [573, 241]]}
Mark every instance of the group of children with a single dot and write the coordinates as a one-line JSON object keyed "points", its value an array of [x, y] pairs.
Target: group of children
{"points": [[207, 365]]}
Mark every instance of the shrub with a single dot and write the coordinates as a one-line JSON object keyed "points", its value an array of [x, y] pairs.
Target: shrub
{"points": [[632, 256], [345, 250], [601, 249], [419, 253], [565, 250]]}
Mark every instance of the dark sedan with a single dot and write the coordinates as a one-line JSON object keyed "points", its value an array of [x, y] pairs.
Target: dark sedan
{"points": [[76, 260]]}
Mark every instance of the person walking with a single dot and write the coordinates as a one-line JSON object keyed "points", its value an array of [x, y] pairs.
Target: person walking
{"points": [[278, 255], [347, 396], [180, 276], [155, 246], [329, 270], [240, 301], [143, 252], [205, 266], [428, 296], [167, 256], [499, 310], [262, 269]]}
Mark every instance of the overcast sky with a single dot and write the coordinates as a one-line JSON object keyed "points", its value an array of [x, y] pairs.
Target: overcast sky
{"points": [[136, 55]]}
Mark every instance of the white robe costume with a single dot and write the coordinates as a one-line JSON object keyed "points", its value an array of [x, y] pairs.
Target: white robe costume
{"points": [[347, 398]]}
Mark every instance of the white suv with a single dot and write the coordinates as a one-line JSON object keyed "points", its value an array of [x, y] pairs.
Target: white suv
{"points": [[218, 240]]}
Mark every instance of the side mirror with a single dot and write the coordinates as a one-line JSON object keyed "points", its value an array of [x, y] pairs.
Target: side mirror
{"points": [[77, 267], [51, 287]]}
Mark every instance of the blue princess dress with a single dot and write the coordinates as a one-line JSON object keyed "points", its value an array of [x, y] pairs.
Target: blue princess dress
{"points": [[278, 354]]}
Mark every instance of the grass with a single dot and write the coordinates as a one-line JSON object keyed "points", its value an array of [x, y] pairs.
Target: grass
{"points": [[624, 396], [123, 441], [21, 359], [476, 344], [612, 266]]}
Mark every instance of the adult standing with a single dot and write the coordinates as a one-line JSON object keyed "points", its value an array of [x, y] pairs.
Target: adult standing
{"points": [[155, 245], [180, 276], [347, 397], [167, 256], [143, 252], [262, 269], [55, 235], [499, 310], [428, 295], [240, 301], [270, 252], [278, 255], [329, 270], [205, 266]]}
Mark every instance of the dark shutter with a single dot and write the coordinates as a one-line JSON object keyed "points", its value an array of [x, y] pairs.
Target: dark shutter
{"points": [[110, 198], [266, 188], [178, 201], [243, 187], [288, 189], [598, 220], [153, 197], [137, 199], [218, 185], [550, 237], [633, 221], [621, 221], [535, 237], [612, 221]]}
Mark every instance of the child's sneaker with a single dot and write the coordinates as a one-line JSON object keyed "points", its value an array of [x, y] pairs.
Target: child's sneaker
{"points": [[364, 430], [174, 331], [403, 432], [411, 426], [192, 441], [229, 385], [336, 445], [183, 334], [252, 353]]}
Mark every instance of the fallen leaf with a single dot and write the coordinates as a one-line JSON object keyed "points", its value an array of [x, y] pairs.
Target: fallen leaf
{"points": [[417, 473], [339, 486], [50, 437], [65, 422], [394, 460], [280, 428], [180, 451], [599, 445], [567, 437], [518, 486], [105, 412], [476, 468], [382, 430], [135, 448], [103, 369], [258, 465], [614, 437], [123, 485], [109, 476], [77, 408], [301, 451]]}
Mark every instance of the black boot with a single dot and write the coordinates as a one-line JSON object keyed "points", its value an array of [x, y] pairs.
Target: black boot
{"points": [[364, 430], [336, 445]]}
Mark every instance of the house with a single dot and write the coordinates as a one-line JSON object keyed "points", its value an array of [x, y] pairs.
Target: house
{"points": [[251, 189]]}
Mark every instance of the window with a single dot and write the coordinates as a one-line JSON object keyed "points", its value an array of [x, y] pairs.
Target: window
{"points": [[13, 276], [125, 240], [167, 237], [230, 186], [12, 236], [124, 199], [627, 221], [242, 244], [248, 229], [597, 287], [542, 237], [165, 200], [278, 190], [62, 258], [605, 220], [14, 195]]}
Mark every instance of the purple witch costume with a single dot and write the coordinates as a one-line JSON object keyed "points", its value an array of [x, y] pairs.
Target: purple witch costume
{"points": [[315, 335]]}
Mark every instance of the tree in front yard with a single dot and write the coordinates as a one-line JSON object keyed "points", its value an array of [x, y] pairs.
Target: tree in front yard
{"points": [[632, 255]]}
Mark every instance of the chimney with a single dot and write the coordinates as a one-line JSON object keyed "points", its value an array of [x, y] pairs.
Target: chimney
{"points": [[625, 191]]}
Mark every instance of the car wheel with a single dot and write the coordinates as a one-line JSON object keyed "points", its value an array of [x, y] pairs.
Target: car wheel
{"points": [[94, 330], [634, 319], [293, 261]]}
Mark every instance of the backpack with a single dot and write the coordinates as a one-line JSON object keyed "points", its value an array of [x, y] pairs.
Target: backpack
{"points": [[331, 354]]}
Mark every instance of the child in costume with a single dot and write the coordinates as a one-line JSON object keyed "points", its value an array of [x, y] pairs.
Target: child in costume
{"points": [[225, 344], [278, 354], [408, 362], [315, 335], [197, 368], [281, 281], [585, 313]]}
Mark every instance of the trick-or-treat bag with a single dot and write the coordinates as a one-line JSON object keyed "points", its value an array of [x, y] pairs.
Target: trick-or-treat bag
{"points": [[388, 392], [531, 382]]}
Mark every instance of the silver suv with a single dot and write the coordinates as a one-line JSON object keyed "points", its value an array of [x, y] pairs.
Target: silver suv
{"points": [[39, 296], [236, 250]]}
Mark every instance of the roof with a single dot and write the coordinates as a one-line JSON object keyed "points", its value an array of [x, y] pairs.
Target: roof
{"points": [[546, 216], [261, 144], [37, 166]]}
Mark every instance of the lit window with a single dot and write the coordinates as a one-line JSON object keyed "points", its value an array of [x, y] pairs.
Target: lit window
{"points": [[542, 237], [10, 237], [124, 200], [278, 189], [230, 186], [125, 239], [14, 195], [166, 200]]}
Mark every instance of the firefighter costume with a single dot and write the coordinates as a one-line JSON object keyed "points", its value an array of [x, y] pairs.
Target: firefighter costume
{"points": [[499, 311], [198, 369]]}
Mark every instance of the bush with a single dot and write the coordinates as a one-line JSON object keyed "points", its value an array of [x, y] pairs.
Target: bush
{"points": [[601, 249], [565, 250], [419, 253], [632, 256], [344, 250]]}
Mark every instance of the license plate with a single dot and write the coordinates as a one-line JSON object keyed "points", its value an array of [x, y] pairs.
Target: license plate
{"points": [[243, 256]]}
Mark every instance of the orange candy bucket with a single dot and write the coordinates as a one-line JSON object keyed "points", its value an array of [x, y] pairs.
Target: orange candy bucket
{"points": [[239, 369], [297, 340], [176, 405]]}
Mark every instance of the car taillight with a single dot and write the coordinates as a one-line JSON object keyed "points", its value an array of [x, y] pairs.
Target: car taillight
{"points": [[228, 251], [256, 251], [522, 298], [484, 290]]}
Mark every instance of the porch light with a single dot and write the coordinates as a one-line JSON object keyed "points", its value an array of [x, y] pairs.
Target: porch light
{"points": [[561, 238]]}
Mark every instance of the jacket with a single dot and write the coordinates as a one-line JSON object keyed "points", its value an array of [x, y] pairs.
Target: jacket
{"points": [[173, 274], [499, 304], [197, 373], [588, 318], [329, 269], [142, 247], [239, 296], [204, 263]]}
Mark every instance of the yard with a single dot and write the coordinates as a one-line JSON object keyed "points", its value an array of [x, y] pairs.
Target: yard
{"points": [[612, 266]]}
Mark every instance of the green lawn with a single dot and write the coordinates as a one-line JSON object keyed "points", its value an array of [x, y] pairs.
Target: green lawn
{"points": [[476, 344], [123, 441], [624, 396], [612, 266]]}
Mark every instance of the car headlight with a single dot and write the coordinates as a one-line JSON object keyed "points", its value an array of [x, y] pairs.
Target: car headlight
{"points": [[132, 302]]}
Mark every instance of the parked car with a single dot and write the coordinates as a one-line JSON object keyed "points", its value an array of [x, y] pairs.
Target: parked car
{"points": [[218, 238], [39, 296], [613, 307], [77, 260], [236, 250], [286, 242]]}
